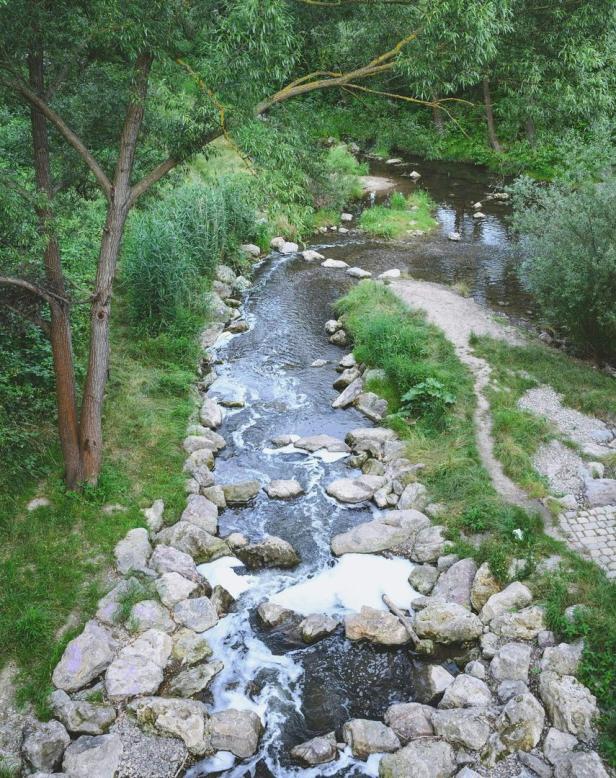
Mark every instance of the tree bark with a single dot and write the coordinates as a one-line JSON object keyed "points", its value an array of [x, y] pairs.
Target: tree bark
{"points": [[530, 131], [437, 118], [487, 99], [60, 325]]}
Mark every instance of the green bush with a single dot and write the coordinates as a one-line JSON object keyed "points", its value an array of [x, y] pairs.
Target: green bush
{"points": [[568, 244]]}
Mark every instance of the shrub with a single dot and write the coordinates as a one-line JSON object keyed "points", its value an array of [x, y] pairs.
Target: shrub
{"points": [[568, 244]]}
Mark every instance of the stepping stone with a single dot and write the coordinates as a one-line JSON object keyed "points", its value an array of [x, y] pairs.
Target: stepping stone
{"points": [[316, 442], [336, 264], [394, 273], [283, 489], [349, 490], [358, 272], [311, 256]]}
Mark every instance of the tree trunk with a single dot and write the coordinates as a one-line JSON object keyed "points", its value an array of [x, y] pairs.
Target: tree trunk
{"points": [[531, 135], [487, 99], [437, 118], [60, 325]]}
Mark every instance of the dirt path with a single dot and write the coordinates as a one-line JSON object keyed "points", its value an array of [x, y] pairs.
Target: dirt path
{"points": [[459, 317]]}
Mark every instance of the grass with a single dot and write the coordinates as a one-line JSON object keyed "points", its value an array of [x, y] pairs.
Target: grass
{"points": [[400, 217], [53, 560], [389, 336]]}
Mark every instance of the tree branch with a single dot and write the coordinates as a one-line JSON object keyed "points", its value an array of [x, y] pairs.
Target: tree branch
{"points": [[60, 125], [35, 289], [32, 317], [151, 178]]}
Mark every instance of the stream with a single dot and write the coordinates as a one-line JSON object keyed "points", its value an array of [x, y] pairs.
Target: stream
{"points": [[301, 691]]}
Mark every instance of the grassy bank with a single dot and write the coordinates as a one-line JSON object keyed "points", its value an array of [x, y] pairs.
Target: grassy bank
{"points": [[431, 403], [401, 217]]}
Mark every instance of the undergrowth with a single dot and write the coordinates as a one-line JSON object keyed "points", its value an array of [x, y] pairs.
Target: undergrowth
{"points": [[400, 217]]}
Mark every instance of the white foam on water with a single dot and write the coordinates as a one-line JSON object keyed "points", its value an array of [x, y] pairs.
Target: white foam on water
{"points": [[222, 760], [221, 572], [356, 580]]}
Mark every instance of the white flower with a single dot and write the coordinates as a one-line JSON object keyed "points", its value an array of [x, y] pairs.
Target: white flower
{"points": [[518, 534]]}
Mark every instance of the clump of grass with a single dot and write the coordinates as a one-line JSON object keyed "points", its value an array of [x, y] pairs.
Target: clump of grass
{"points": [[138, 592], [401, 216]]}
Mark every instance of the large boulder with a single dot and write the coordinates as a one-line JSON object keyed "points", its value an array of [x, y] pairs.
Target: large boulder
{"points": [[515, 596], [272, 551], [242, 492], [429, 544], [580, 764], [84, 658], [430, 682], [455, 584], [316, 626], [562, 659], [237, 731], [190, 647], [557, 743], [370, 439], [93, 755], [133, 551], [314, 443], [423, 577], [194, 680], [410, 720], [173, 587], [350, 490], [317, 750], [167, 559], [138, 668], [414, 495], [570, 705], [150, 614], [194, 541], [463, 728], [466, 692], [447, 622], [272, 615], [512, 662], [201, 512], [282, 489], [80, 716], [600, 491], [197, 614], [377, 626], [421, 758], [521, 625], [367, 737], [484, 586], [210, 414], [44, 744], [369, 538], [173, 717], [520, 724], [372, 406]]}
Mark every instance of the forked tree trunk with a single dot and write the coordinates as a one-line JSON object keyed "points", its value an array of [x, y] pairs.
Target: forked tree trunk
{"points": [[487, 99], [60, 325]]}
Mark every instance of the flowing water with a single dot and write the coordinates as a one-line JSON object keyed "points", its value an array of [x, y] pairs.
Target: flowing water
{"points": [[301, 691]]}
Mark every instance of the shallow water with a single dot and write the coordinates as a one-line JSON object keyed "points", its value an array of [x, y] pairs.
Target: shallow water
{"points": [[300, 691]]}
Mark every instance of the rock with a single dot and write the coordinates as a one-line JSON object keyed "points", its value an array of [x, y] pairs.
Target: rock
{"points": [[138, 668], [197, 614], [316, 626], [202, 513], [372, 406], [447, 623], [370, 439], [242, 492], [410, 720], [90, 756], [222, 600], [346, 377], [520, 724], [367, 737], [288, 247], [455, 236], [546, 638], [414, 496], [339, 338], [346, 217], [581, 764], [349, 490], [508, 689], [455, 584], [166, 559], [172, 587], [376, 626], [84, 658], [110, 606], [311, 256], [358, 272], [212, 439], [210, 335], [272, 551], [216, 494], [202, 476], [150, 614], [317, 750], [515, 596], [556, 744], [189, 647], [284, 489], [466, 728], [479, 215], [194, 443], [251, 249], [477, 669], [512, 662], [224, 274], [535, 765], [175, 717], [570, 705], [389, 274], [370, 537], [466, 772], [423, 577], [38, 502], [332, 326], [318, 363], [349, 395], [600, 491], [194, 679], [154, 515], [198, 460], [80, 716], [484, 586], [466, 692], [338, 264], [237, 731], [429, 544], [194, 541], [272, 615], [44, 744], [348, 360], [489, 645], [210, 414], [317, 442], [523, 625], [562, 659], [443, 563], [236, 541], [430, 682], [422, 758]]}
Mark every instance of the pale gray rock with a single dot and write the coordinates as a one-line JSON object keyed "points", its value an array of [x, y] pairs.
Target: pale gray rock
{"points": [[213, 440], [194, 541], [318, 363], [237, 731], [508, 689], [462, 728], [316, 626], [367, 737], [348, 360], [349, 490], [224, 274], [429, 544], [175, 717], [272, 551], [519, 725], [173, 587], [197, 614], [369, 538], [337, 264], [138, 668], [242, 492], [410, 720], [446, 561], [314, 443], [466, 692], [81, 717], [581, 764], [477, 669], [358, 272], [194, 443], [414, 496], [93, 755], [562, 659], [421, 758], [600, 492], [372, 406], [447, 623], [216, 494], [190, 647], [110, 606], [210, 415], [511, 662], [346, 377], [154, 516], [489, 645], [317, 750], [167, 559], [423, 577], [523, 625], [535, 765], [272, 615], [202, 513], [484, 586], [349, 395], [570, 705], [288, 247], [281, 489], [38, 502], [370, 439], [193, 680], [44, 744], [556, 744], [84, 658], [310, 255], [515, 596], [430, 682], [222, 600], [150, 614], [332, 325], [210, 335], [455, 584], [377, 626], [251, 248]]}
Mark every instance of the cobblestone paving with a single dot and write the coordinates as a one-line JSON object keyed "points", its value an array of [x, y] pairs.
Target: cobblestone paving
{"points": [[593, 533]]}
